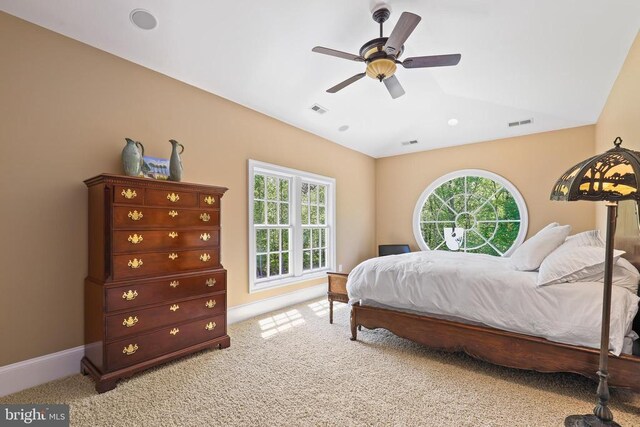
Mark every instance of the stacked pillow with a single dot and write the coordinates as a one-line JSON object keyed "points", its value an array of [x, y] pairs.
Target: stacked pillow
{"points": [[529, 255], [581, 259]]}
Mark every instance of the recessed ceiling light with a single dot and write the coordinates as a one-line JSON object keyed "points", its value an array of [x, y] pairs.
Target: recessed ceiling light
{"points": [[452, 122], [143, 19], [343, 128]]}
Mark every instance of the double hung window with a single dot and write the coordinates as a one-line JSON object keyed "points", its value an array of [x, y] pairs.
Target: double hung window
{"points": [[291, 225]]}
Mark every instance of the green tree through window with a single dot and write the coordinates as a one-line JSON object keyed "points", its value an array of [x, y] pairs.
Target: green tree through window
{"points": [[471, 211]]}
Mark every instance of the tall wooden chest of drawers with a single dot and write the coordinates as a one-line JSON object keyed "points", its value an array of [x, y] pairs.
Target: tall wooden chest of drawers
{"points": [[156, 289]]}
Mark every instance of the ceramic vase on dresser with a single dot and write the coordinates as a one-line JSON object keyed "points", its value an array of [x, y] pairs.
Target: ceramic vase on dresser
{"points": [[156, 289]]}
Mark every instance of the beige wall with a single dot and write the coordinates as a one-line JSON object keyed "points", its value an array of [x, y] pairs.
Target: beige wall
{"points": [[532, 163], [621, 117], [66, 108]]}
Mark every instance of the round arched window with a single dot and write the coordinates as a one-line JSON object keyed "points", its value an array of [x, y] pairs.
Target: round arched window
{"points": [[470, 211]]}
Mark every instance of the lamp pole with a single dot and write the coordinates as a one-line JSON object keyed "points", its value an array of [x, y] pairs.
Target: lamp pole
{"points": [[602, 415], [602, 410]]}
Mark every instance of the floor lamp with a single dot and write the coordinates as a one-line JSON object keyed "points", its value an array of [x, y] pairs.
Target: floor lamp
{"points": [[611, 176]]}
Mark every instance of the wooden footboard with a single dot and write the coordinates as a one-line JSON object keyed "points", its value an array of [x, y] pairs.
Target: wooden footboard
{"points": [[495, 346]]}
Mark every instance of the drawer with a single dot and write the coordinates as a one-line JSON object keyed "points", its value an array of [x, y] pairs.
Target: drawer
{"points": [[185, 199], [128, 194], [139, 348], [152, 240], [156, 291], [143, 217], [161, 263], [209, 200], [137, 321]]}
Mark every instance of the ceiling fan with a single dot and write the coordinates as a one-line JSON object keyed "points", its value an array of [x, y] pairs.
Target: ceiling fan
{"points": [[381, 54]]}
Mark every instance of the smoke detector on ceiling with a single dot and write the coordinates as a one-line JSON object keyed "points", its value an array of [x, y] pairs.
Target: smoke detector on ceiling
{"points": [[143, 19]]}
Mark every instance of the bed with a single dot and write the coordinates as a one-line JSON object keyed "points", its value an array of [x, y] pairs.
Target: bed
{"points": [[481, 305]]}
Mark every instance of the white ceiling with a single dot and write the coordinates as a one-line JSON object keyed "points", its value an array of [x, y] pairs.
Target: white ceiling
{"points": [[551, 60]]}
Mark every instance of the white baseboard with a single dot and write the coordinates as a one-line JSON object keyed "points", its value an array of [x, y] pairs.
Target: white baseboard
{"points": [[242, 312], [39, 370]]}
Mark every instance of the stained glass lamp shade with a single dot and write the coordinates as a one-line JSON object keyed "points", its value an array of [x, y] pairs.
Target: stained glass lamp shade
{"points": [[611, 176]]}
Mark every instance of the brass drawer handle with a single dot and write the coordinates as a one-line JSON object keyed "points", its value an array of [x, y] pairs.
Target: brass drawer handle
{"points": [[173, 256], [135, 239], [174, 284], [131, 321], [209, 200], [173, 234], [135, 215], [210, 282], [210, 326], [174, 331], [135, 263], [173, 197], [174, 307], [129, 296], [210, 304], [130, 349], [173, 214], [129, 193], [205, 257], [205, 217], [205, 236]]}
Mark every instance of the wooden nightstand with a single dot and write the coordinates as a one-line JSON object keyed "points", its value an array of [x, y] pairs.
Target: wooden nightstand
{"points": [[337, 290]]}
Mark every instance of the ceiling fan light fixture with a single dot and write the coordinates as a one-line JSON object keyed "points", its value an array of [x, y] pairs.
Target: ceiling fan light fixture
{"points": [[381, 69]]}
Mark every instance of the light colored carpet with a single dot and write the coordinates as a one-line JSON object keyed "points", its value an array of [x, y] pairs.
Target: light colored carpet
{"points": [[291, 368]]}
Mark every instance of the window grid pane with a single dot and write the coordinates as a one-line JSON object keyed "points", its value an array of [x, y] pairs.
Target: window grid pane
{"points": [[272, 252], [313, 204], [271, 200], [314, 247]]}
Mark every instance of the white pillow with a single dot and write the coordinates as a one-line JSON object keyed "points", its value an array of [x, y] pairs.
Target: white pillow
{"points": [[625, 275], [586, 238], [573, 265], [530, 254]]}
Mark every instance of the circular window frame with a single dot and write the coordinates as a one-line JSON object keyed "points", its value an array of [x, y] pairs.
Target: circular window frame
{"points": [[522, 206]]}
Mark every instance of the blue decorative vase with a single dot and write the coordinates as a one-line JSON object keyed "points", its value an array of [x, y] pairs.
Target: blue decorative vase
{"points": [[132, 154], [175, 162]]}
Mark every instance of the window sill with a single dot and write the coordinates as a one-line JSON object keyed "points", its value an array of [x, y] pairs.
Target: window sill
{"points": [[287, 281]]}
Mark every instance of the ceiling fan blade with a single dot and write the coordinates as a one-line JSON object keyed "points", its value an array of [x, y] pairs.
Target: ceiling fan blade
{"points": [[431, 61], [394, 87], [346, 83], [337, 53], [403, 29]]}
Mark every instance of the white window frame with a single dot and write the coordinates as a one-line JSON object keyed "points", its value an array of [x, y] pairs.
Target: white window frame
{"points": [[506, 184], [296, 274]]}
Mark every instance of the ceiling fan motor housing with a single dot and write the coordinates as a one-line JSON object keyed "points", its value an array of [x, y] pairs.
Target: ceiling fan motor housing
{"points": [[380, 65]]}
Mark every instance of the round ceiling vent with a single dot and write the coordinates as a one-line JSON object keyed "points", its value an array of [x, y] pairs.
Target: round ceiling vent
{"points": [[143, 19]]}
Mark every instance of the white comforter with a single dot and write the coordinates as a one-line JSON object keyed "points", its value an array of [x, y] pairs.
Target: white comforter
{"points": [[488, 290]]}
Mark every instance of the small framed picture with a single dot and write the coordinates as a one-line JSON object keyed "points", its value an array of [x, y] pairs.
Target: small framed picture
{"points": [[155, 167]]}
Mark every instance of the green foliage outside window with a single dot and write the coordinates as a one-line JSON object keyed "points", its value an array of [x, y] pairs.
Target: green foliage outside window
{"points": [[484, 209]]}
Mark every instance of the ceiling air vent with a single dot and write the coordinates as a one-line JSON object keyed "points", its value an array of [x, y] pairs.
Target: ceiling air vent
{"points": [[412, 142], [318, 109], [521, 122]]}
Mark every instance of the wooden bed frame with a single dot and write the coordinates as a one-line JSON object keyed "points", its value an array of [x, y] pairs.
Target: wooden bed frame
{"points": [[492, 345], [496, 346]]}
